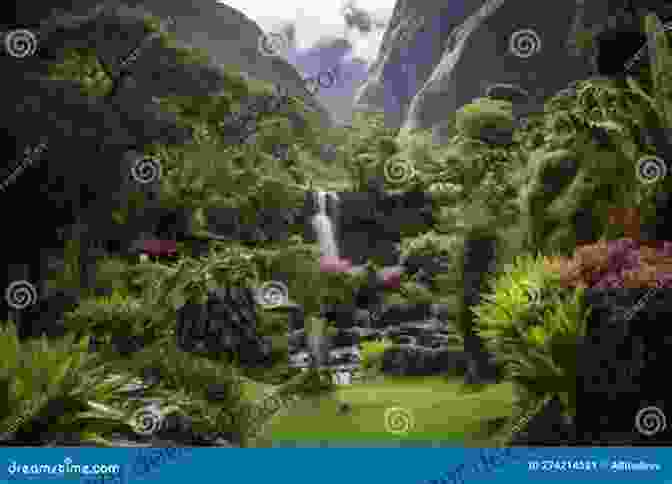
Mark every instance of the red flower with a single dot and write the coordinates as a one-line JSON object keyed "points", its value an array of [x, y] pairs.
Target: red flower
{"points": [[158, 248]]}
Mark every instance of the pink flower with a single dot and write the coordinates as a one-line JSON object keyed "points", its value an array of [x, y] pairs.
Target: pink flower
{"points": [[157, 248], [334, 264], [390, 277]]}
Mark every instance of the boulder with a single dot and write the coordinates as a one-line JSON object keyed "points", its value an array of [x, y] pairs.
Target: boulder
{"points": [[403, 313], [411, 360]]}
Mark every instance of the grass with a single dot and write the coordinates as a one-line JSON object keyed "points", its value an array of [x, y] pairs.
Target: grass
{"points": [[440, 411]]}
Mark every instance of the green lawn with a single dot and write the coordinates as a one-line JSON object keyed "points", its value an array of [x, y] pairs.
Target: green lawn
{"points": [[440, 412]]}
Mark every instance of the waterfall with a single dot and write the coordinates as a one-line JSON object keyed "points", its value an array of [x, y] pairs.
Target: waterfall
{"points": [[323, 225]]}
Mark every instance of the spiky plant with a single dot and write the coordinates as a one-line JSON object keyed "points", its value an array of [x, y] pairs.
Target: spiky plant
{"points": [[55, 388], [535, 327]]}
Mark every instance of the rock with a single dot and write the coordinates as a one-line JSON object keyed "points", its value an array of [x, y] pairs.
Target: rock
{"points": [[345, 337], [621, 359], [507, 92], [437, 58], [403, 313], [362, 318], [404, 340], [367, 334], [442, 312], [297, 339], [226, 323], [410, 360], [497, 136]]}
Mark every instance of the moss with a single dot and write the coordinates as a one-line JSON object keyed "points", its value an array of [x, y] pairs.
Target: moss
{"points": [[484, 113]]}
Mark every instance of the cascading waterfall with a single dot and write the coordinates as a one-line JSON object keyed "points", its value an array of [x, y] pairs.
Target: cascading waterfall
{"points": [[323, 225], [326, 236]]}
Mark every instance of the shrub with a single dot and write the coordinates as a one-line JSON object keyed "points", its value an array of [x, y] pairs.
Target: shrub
{"points": [[112, 319], [51, 389], [372, 354], [621, 263], [534, 327]]}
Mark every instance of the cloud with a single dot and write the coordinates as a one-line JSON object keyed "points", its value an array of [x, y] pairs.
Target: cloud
{"points": [[314, 20]]}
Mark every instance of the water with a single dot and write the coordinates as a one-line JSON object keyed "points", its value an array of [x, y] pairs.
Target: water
{"points": [[323, 225]]}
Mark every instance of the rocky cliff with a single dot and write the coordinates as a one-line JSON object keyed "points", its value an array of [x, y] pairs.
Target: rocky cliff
{"points": [[435, 58], [231, 38]]}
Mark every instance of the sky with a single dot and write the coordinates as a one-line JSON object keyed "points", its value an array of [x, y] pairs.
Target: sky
{"points": [[314, 19]]}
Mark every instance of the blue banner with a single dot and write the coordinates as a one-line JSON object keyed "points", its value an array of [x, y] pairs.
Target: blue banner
{"points": [[336, 465]]}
